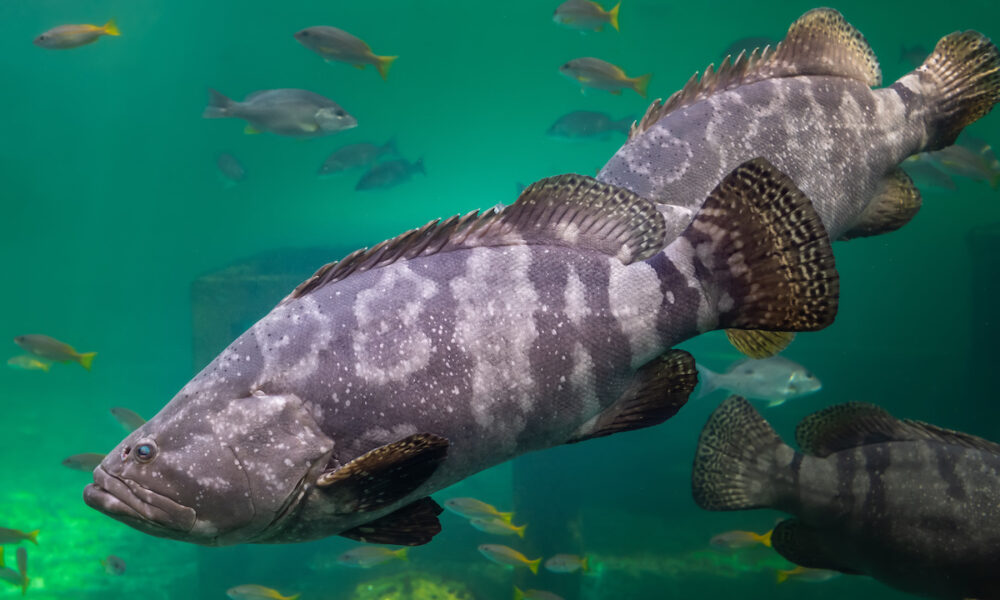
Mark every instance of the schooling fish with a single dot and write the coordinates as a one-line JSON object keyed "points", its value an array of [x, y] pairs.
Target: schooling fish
{"points": [[470, 508], [256, 592], [806, 574], [352, 156], [535, 595], [972, 158], [366, 557], [926, 175], [288, 112], [567, 563], [230, 168], [54, 350], [498, 527], [86, 462], [13, 536], [407, 367], [601, 75], [337, 45], [736, 539], [505, 555], [389, 174], [128, 419], [587, 124], [774, 379], [65, 37], [907, 503], [586, 15], [28, 363]]}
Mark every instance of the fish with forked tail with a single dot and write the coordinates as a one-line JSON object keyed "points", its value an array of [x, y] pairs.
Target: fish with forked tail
{"points": [[409, 366], [911, 504]]}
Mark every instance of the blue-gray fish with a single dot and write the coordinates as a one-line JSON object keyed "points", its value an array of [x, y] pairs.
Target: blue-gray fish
{"points": [[775, 379], [85, 462], [337, 45], [588, 124], [52, 349], [971, 157], [289, 112], [601, 75], [66, 37], [586, 15], [907, 503], [407, 367], [389, 174], [366, 557], [231, 169], [353, 156]]}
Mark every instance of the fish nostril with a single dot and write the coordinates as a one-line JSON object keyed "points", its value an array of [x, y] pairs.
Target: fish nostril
{"points": [[125, 452]]}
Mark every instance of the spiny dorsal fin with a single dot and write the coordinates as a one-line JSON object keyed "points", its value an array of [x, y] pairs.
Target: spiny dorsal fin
{"points": [[768, 257], [413, 525], [896, 202], [661, 388], [759, 344], [854, 424], [820, 42], [565, 210]]}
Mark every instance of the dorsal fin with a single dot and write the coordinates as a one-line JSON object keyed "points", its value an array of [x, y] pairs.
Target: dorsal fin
{"points": [[856, 424], [565, 210], [820, 42]]}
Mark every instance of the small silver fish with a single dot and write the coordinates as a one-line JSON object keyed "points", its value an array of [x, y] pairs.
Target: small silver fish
{"points": [[352, 156], [471, 508], [337, 45], [498, 526], [128, 419], [534, 595], [366, 557], [926, 175], [28, 363], [389, 173], [288, 112], [774, 379], [806, 574], [602, 75], [113, 565], [972, 158], [86, 462], [14, 536], [586, 15], [737, 539], [567, 563], [65, 37], [589, 125], [505, 555], [256, 592], [54, 350], [231, 169]]}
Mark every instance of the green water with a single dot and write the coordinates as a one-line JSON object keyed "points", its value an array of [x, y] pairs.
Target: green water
{"points": [[112, 208]]}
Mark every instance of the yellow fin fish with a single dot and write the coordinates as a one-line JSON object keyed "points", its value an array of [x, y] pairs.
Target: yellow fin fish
{"points": [[52, 349], [470, 508], [505, 555], [736, 539], [65, 37], [256, 592]]}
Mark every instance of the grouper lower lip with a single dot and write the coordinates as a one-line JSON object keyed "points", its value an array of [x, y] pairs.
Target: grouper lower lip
{"points": [[137, 506]]}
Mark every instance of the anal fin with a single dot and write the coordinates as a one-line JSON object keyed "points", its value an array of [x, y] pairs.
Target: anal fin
{"points": [[386, 474], [896, 203], [660, 389], [803, 545], [759, 344], [413, 525]]}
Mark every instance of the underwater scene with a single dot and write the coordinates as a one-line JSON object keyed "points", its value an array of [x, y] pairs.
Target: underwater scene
{"points": [[730, 335]]}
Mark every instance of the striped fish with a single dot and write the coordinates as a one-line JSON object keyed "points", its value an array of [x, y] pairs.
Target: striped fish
{"points": [[910, 504]]}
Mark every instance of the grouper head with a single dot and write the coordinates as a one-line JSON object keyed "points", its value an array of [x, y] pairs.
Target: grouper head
{"points": [[213, 472]]}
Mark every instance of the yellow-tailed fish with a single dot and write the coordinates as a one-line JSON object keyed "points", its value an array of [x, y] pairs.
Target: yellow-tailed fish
{"points": [[602, 75], [365, 557], [520, 594], [567, 563], [337, 45], [736, 539], [256, 592], [585, 15], [470, 508], [498, 526], [54, 350], [505, 555], [128, 419], [14, 536], [806, 574], [28, 363], [65, 37]]}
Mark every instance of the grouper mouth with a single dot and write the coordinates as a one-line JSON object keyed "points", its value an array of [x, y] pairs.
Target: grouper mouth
{"points": [[138, 507]]}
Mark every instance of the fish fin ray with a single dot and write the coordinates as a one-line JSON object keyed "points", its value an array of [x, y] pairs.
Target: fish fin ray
{"points": [[412, 525], [820, 42], [759, 344], [386, 474], [641, 83], [661, 388], [613, 16], [111, 28], [735, 459], [566, 210], [383, 65], [804, 546], [764, 253], [896, 202], [219, 106]]}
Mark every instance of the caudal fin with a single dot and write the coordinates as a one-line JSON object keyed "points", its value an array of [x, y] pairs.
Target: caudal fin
{"points": [[33, 537], [613, 16], [962, 77], [533, 565], [641, 83], [736, 463], [383, 64], [111, 28], [708, 381], [219, 106], [86, 359], [764, 255]]}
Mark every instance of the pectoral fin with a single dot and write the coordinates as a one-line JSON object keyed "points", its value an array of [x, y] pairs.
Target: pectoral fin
{"points": [[386, 474], [413, 525], [759, 344]]}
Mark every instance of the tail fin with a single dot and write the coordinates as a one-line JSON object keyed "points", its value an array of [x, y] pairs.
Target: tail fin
{"points": [[585, 561], [782, 576], [764, 252], [737, 459], [2, 563], [708, 379], [218, 107], [766, 538], [33, 537], [518, 594], [520, 530], [383, 64], [86, 359], [533, 565], [505, 516], [641, 83], [111, 28], [963, 74], [401, 554], [45, 366], [613, 16]]}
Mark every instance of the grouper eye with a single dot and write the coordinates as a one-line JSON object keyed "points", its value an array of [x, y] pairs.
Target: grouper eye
{"points": [[145, 452]]}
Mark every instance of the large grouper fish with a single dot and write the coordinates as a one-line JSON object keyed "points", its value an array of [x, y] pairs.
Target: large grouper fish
{"points": [[409, 366]]}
